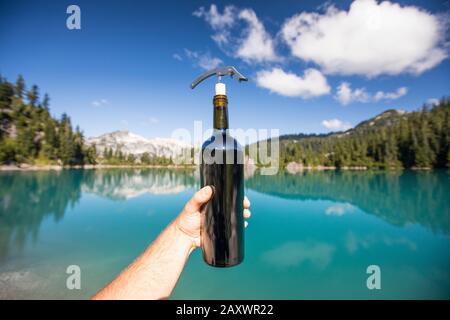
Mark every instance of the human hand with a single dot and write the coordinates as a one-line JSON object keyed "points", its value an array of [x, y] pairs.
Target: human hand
{"points": [[189, 220]]}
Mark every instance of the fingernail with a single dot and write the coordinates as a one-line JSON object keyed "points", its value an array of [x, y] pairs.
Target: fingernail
{"points": [[213, 190], [207, 191]]}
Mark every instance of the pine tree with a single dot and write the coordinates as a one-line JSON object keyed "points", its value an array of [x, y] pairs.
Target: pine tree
{"points": [[421, 147], [391, 150], [33, 95], [145, 158], [46, 102], [131, 158], [6, 96], [66, 141], [90, 154], [78, 147], [29, 133], [105, 153], [20, 86]]}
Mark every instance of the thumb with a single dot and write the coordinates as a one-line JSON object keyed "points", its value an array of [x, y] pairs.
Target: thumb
{"points": [[198, 199]]}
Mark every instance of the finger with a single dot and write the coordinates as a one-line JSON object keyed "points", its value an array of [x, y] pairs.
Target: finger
{"points": [[245, 224], [246, 203], [247, 213], [198, 199]]}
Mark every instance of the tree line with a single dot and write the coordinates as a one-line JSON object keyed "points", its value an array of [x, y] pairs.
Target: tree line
{"points": [[413, 197], [418, 139], [117, 157], [29, 134]]}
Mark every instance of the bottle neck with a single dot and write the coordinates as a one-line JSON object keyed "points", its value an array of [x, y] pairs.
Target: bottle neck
{"points": [[220, 112]]}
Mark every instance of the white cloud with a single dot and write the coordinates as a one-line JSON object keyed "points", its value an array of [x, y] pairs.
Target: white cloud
{"points": [[191, 54], [207, 62], [215, 19], [100, 102], [221, 37], [345, 94], [257, 45], [219, 22], [294, 253], [176, 56], [342, 208], [400, 92], [311, 84], [369, 39], [336, 125], [433, 101], [356, 242], [253, 44], [203, 60]]}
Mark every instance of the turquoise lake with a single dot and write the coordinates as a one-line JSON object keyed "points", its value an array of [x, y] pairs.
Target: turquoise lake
{"points": [[311, 235]]}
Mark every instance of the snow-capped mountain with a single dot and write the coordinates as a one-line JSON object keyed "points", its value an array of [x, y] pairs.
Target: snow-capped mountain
{"points": [[130, 143], [130, 184]]}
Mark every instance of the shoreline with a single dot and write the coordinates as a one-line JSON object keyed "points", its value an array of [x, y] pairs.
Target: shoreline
{"points": [[24, 167], [291, 170]]}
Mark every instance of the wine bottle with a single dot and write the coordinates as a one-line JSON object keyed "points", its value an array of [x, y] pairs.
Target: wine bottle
{"points": [[222, 168]]}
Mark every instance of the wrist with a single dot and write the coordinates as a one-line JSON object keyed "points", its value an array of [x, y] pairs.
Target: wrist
{"points": [[186, 240]]}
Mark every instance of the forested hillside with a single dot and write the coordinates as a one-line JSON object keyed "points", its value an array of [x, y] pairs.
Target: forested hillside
{"points": [[392, 139], [29, 134]]}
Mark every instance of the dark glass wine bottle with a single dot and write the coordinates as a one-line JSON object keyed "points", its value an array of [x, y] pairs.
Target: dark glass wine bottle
{"points": [[222, 231]]}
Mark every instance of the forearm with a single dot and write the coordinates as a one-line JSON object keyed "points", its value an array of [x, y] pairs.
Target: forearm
{"points": [[155, 272]]}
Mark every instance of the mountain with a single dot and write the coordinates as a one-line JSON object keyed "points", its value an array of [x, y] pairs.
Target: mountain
{"points": [[127, 184], [130, 143], [386, 118], [392, 139]]}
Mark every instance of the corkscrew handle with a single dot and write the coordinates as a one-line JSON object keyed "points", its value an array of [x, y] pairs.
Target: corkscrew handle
{"points": [[219, 72]]}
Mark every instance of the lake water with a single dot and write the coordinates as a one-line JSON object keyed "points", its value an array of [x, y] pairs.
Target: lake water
{"points": [[311, 235]]}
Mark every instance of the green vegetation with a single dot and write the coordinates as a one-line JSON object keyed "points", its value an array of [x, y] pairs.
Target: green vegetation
{"points": [[29, 134], [117, 157], [393, 139], [53, 192], [399, 197]]}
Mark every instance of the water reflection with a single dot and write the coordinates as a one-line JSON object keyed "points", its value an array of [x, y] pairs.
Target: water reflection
{"points": [[302, 248], [356, 242], [340, 209], [27, 198], [399, 198], [294, 253], [125, 184]]}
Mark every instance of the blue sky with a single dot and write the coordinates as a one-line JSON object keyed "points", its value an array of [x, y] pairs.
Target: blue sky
{"points": [[314, 66]]}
